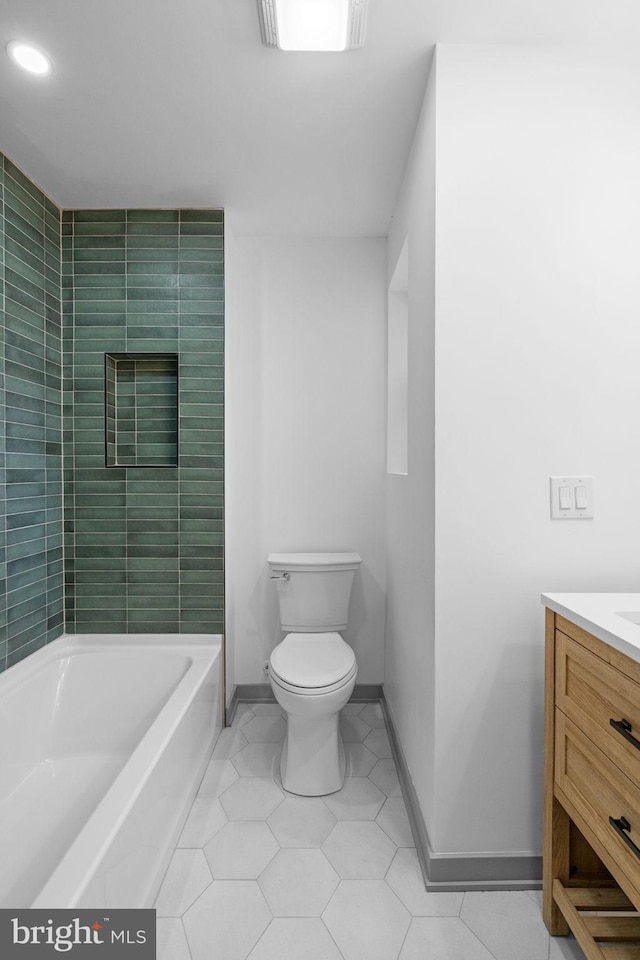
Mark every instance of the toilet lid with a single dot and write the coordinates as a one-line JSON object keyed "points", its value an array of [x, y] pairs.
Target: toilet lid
{"points": [[312, 659]]}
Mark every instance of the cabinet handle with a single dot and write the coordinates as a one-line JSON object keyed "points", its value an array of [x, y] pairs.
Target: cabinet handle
{"points": [[624, 729], [621, 827]]}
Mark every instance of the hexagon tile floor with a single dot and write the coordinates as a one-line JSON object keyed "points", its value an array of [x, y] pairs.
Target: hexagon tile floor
{"points": [[259, 874]]}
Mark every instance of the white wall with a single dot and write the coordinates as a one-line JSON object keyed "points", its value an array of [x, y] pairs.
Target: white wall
{"points": [[305, 431], [409, 653], [537, 295]]}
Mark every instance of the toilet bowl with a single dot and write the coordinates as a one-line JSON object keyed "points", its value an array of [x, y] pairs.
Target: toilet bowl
{"points": [[313, 671], [312, 678]]}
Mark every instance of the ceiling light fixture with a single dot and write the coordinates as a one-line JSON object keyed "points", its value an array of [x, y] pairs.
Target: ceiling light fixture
{"points": [[29, 57], [312, 25]]}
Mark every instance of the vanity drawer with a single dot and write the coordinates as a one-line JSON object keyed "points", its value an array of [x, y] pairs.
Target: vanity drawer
{"points": [[600, 794], [601, 700]]}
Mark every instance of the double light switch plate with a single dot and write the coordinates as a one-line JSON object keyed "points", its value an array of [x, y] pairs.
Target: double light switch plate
{"points": [[571, 498]]}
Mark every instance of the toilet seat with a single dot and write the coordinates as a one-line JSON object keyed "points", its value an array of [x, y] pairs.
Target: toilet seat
{"points": [[313, 691], [312, 663]]}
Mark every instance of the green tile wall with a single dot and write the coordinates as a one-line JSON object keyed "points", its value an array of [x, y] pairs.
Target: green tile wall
{"points": [[31, 575], [144, 545]]}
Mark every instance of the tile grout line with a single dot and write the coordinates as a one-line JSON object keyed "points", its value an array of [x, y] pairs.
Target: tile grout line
{"points": [[126, 475], [4, 426]]}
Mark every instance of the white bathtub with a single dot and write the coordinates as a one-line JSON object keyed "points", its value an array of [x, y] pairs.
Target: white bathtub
{"points": [[103, 741]]}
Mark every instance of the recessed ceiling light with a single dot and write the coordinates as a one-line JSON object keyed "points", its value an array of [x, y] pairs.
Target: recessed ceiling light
{"points": [[29, 57], [312, 25]]}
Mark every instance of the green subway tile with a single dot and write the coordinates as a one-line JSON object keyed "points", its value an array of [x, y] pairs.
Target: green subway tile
{"points": [[153, 271], [197, 576], [153, 293], [153, 216], [96, 578], [191, 241], [152, 564], [24, 235], [151, 242], [149, 615], [201, 589], [152, 605], [197, 616], [26, 270], [145, 228], [98, 290], [83, 244], [201, 334], [24, 292], [94, 229], [153, 254], [200, 563], [168, 578], [15, 190], [163, 308], [90, 255], [155, 626], [159, 526], [199, 231], [101, 589], [94, 564], [104, 280], [24, 254], [147, 590], [15, 655], [109, 621], [201, 603], [211, 292], [198, 215], [101, 603], [99, 216], [13, 173]]}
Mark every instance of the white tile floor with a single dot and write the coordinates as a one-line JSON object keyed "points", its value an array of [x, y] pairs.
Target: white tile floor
{"points": [[259, 874]]}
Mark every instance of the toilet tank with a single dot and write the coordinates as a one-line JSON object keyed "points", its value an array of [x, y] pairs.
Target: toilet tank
{"points": [[313, 589]]}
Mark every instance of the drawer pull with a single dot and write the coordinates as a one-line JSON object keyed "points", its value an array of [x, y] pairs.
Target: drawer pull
{"points": [[621, 827], [624, 729]]}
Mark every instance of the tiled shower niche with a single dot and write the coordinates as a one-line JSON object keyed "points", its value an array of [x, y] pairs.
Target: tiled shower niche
{"points": [[141, 409]]}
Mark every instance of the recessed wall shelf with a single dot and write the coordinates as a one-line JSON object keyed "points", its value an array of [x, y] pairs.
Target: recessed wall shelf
{"points": [[141, 409]]}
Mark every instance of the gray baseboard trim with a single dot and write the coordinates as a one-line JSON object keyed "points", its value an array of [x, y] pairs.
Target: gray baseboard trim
{"points": [[457, 872], [365, 692], [262, 693], [248, 693]]}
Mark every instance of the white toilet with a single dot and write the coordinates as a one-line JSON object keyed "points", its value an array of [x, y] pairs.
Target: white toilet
{"points": [[313, 670]]}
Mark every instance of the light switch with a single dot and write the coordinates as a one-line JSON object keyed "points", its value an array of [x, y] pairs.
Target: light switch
{"points": [[571, 498], [565, 498], [581, 498]]}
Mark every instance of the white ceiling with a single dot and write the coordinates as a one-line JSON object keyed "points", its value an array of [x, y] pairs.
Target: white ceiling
{"points": [[167, 103]]}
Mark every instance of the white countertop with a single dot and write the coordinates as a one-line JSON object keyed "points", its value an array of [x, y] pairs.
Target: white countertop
{"points": [[597, 613]]}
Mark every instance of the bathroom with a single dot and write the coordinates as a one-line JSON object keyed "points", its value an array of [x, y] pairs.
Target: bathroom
{"points": [[521, 365]]}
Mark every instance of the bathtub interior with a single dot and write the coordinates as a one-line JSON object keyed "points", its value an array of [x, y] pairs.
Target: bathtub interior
{"points": [[75, 725]]}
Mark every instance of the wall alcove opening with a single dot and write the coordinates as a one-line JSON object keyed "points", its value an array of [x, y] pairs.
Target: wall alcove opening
{"points": [[141, 409]]}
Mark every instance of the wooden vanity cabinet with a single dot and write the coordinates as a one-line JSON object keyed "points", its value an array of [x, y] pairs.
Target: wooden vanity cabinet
{"points": [[591, 844]]}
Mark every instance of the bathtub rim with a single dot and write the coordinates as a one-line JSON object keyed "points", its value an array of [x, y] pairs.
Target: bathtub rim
{"points": [[81, 644]]}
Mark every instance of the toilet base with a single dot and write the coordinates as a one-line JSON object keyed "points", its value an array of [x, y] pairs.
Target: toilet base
{"points": [[313, 759]]}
